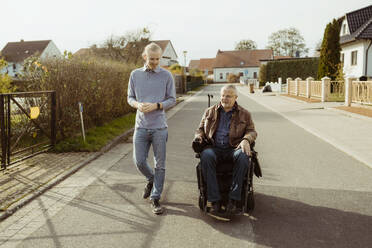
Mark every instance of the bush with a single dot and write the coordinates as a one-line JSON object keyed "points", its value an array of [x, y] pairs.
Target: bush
{"points": [[303, 68], [232, 78], [100, 85]]}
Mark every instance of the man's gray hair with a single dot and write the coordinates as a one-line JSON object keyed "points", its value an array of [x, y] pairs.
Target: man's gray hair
{"points": [[153, 47], [230, 87]]}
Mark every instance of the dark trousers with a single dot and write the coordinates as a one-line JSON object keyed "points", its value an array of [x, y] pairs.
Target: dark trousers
{"points": [[209, 158]]}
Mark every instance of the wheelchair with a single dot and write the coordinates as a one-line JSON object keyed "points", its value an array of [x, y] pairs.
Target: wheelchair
{"points": [[224, 172]]}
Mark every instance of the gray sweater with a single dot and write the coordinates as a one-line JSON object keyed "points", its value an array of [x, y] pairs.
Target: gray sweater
{"points": [[154, 87]]}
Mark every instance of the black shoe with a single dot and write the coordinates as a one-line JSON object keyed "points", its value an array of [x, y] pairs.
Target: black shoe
{"points": [[147, 190], [216, 208], [231, 208], [156, 208]]}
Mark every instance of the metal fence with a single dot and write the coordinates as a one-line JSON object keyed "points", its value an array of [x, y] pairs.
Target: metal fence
{"points": [[27, 125]]}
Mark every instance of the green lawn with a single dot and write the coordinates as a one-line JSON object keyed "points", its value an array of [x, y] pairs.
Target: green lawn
{"points": [[96, 137]]}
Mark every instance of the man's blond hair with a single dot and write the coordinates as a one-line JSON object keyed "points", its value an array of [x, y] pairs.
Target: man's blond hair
{"points": [[153, 47]]}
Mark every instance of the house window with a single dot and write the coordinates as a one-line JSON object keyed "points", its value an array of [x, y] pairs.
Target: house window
{"points": [[254, 74], [240, 74], [342, 59], [14, 67], [227, 74], [221, 76], [354, 56]]}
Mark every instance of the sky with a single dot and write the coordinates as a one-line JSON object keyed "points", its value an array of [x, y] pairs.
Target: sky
{"points": [[200, 27]]}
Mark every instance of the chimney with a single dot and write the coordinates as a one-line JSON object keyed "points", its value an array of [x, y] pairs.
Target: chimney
{"points": [[22, 40]]}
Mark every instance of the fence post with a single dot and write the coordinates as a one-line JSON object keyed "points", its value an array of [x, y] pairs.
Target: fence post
{"points": [[53, 108], [287, 88], [280, 84], [2, 132], [297, 81], [308, 86], [325, 88], [348, 91]]}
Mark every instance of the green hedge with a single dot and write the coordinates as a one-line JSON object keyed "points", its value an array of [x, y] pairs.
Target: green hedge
{"points": [[303, 68]]}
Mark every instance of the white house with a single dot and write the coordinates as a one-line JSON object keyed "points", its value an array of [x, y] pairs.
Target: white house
{"points": [[356, 42], [16, 52], [240, 62], [169, 56]]}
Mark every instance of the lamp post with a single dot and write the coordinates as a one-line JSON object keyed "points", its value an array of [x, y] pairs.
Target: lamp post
{"points": [[184, 56]]}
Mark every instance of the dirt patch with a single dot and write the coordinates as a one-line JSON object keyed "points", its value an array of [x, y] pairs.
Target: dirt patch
{"points": [[309, 100], [366, 111]]}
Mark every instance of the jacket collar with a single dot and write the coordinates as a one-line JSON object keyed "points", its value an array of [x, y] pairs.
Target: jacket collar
{"points": [[234, 108]]}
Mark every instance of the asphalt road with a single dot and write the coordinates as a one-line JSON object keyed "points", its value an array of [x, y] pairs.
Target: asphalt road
{"points": [[311, 195]]}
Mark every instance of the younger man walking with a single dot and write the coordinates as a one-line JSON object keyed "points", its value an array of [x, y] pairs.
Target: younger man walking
{"points": [[151, 90]]}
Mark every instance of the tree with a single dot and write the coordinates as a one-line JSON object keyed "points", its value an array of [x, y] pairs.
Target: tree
{"points": [[245, 45], [5, 80], [287, 42], [127, 48], [330, 51]]}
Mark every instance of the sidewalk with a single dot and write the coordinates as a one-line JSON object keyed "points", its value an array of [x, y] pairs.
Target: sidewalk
{"points": [[350, 133]]}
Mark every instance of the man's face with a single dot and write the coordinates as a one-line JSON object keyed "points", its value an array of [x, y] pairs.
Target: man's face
{"points": [[228, 98], [152, 59]]}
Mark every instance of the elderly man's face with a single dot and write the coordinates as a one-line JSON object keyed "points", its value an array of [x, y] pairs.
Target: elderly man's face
{"points": [[152, 59], [228, 98]]}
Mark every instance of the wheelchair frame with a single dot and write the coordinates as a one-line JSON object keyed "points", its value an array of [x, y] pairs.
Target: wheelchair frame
{"points": [[247, 191]]}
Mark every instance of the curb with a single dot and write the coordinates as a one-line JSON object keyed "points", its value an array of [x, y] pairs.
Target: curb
{"points": [[350, 114]]}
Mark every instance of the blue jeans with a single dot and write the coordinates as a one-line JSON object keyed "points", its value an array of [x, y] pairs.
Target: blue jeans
{"points": [[209, 158], [142, 139]]}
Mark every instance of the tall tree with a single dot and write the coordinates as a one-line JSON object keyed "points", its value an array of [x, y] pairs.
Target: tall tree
{"points": [[245, 45], [287, 42], [330, 51], [126, 48]]}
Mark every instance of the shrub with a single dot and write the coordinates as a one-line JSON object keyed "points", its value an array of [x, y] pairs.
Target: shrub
{"points": [[232, 78], [303, 68], [100, 85]]}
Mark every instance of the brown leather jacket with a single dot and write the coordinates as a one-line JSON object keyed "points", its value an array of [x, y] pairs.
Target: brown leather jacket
{"points": [[241, 125]]}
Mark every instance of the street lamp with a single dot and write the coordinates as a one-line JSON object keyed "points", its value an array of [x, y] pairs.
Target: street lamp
{"points": [[184, 55]]}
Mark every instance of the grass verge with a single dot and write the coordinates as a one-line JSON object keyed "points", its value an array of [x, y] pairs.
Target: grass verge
{"points": [[97, 137]]}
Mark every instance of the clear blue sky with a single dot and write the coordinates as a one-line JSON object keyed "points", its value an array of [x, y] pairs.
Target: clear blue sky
{"points": [[200, 27]]}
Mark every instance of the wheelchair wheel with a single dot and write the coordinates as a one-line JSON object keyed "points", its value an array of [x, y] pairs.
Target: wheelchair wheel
{"points": [[202, 202], [250, 202]]}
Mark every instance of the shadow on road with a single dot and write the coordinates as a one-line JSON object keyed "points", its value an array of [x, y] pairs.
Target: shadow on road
{"points": [[280, 222]]}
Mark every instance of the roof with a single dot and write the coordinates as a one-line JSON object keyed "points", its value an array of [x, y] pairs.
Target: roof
{"points": [[241, 58], [162, 43], [194, 64], [207, 64], [19, 51], [359, 23]]}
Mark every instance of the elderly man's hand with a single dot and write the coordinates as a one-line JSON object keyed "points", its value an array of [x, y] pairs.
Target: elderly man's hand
{"points": [[245, 146]]}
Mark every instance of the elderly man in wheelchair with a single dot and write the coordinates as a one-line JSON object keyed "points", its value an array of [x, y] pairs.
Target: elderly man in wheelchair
{"points": [[226, 132]]}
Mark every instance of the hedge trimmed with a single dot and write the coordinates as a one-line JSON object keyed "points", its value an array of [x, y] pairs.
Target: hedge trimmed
{"points": [[302, 67]]}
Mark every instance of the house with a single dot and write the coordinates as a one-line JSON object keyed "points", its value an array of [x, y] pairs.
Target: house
{"points": [[204, 65], [194, 64], [356, 42], [134, 49], [240, 62], [16, 52], [169, 56]]}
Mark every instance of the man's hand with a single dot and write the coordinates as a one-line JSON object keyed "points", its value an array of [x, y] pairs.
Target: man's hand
{"points": [[246, 148], [146, 107]]}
